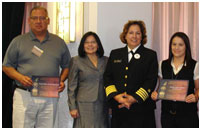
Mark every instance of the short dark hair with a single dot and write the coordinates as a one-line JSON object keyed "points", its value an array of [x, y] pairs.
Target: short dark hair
{"points": [[39, 7], [142, 26], [82, 53], [186, 40]]}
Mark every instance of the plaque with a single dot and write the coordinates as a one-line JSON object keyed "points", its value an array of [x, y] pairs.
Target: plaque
{"points": [[175, 90]]}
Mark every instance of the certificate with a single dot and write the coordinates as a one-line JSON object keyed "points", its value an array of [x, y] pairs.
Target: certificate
{"points": [[45, 86], [175, 90]]}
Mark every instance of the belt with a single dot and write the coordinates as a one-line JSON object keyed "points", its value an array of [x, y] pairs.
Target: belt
{"points": [[23, 88]]}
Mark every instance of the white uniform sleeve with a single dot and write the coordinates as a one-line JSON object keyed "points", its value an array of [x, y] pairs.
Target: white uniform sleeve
{"points": [[196, 71], [159, 70]]}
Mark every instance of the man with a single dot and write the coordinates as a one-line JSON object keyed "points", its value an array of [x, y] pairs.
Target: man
{"points": [[35, 53]]}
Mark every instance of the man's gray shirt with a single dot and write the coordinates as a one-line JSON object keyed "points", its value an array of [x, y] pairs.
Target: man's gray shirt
{"points": [[55, 54]]}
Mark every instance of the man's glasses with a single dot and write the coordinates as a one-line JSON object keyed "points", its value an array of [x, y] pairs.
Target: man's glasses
{"points": [[41, 18]]}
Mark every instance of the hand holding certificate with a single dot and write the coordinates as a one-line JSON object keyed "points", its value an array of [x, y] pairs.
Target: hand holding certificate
{"points": [[173, 89], [45, 86]]}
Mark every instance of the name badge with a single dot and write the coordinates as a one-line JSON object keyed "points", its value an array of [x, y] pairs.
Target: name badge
{"points": [[37, 51], [117, 61]]}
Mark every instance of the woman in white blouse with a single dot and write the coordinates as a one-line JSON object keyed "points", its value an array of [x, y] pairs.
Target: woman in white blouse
{"points": [[180, 66]]}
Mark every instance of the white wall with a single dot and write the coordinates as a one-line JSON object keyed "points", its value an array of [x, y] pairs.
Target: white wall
{"points": [[90, 16], [51, 8], [112, 16], [107, 19]]}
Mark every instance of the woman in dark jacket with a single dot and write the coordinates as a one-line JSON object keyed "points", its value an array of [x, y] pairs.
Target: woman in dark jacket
{"points": [[130, 77], [181, 66]]}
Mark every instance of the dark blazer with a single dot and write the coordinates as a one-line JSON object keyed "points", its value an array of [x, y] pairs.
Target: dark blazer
{"points": [[137, 78]]}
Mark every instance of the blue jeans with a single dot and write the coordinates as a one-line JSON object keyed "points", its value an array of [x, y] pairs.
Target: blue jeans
{"points": [[33, 112]]}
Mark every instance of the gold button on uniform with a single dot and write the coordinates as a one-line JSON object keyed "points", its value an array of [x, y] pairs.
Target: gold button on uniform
{"points": [[125, 85], [126, 76], [126, 68]]}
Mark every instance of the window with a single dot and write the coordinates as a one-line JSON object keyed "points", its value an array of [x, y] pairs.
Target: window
{"points": [[66, 21]]}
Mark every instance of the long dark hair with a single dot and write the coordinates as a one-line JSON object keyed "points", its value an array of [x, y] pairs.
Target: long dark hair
{"points": [[186, 40], [99, 52]]}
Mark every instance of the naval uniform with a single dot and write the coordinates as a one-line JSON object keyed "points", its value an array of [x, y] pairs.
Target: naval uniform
{"points": [[176, 113], [137, 78]]}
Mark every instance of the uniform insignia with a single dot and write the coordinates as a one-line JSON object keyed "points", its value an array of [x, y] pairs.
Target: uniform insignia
{"points": [[110, 89], [117, 61], [142, 93], [137, 56]]}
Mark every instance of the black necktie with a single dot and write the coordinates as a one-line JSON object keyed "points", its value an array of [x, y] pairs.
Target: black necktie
{"points": [[132, 55]]}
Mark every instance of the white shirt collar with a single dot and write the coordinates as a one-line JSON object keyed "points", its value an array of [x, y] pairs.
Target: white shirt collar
{"points": [[134, 50], [178, 69], [129, 54]]}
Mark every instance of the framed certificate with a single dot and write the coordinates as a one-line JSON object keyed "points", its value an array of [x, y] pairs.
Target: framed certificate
{"points": [[45, 86], [175, 90]]}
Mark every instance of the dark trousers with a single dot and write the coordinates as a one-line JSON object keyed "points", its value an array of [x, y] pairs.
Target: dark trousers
{"points": [[123, 118], [174, 120]]}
